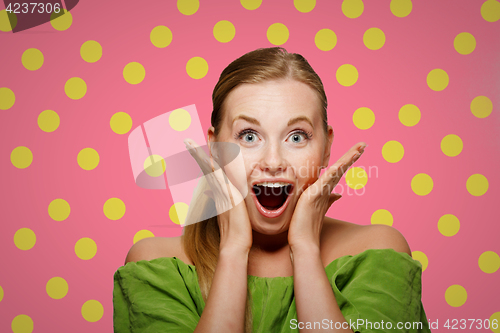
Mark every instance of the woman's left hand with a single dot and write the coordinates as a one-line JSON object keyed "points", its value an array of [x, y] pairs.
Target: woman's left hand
{"points": [[314, 202]]}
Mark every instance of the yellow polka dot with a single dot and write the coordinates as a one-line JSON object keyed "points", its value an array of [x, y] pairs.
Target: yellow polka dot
{"points": [[8, 21], [495, 322], [88, 159], [489, 262], [114, 208], [477, 185], [382, 216], [24, 239], [448, 225], [393, 151], [59, 209], [178, 212], [91, 51], [21, 157], [422, 258], [409, 115], [22, 324], [134, 72], [437, 79], [120, 123], [251, 4], [179, 120], [352, 8], [277, 34], [452, 145], [85, 248], [154, 165], [422, 184], [481, 106], [401, 8], [141, 234], [92, 310], [197, 67], [374, 38], [75, 88], [7, 98], [455, 295], [363, 118], [304, 6], [347, 75], [188, 7], [356, 178], [161, 36], [57, 287], [32, 59], [224, 31], [490, 10], [61, 21], [464, 43], [325, 39], [1, 293], [48, 121]]}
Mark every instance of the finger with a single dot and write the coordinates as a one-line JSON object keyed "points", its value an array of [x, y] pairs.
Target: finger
{"points": [[209, 193], [208, 165], [334, 197], [199, 155], [334, 173], [352, 154], [215, 176], [345, 162]]}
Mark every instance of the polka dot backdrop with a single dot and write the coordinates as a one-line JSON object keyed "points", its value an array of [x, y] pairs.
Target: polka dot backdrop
{"points": [[417, 81]]}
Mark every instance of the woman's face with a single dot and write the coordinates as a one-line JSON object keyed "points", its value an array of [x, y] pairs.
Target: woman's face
{"points": [[279, 129]]}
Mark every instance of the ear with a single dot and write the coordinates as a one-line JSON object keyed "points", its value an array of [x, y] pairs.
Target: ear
{"points": [[328, 146], [211, 138]]}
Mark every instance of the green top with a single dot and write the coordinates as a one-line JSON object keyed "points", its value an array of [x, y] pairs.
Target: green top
{"points": [[376, 286]]}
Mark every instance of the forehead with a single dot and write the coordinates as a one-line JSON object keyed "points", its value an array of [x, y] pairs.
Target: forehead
{"points": [[273, 102]]}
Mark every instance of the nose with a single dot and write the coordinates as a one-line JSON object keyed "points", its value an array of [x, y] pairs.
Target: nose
{"points": [[273, 160]]}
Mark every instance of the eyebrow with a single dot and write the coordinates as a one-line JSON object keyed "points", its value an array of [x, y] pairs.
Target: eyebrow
{"points": [[290, 122]]}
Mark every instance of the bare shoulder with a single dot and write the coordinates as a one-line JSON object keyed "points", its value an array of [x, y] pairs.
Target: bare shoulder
{"points": [[342, 238], [155, 247]]}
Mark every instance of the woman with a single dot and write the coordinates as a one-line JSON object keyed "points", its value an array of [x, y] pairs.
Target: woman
{"points": [[274, 262]]}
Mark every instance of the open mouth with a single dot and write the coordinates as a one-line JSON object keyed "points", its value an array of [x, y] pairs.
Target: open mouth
{"points": [[272, 199]]}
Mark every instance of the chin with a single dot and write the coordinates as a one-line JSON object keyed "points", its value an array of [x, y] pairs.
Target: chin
{"points": [[265, 228]]}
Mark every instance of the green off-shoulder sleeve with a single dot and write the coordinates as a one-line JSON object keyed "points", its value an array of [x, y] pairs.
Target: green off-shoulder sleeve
{"points": [[160, 295], [379, 290]]}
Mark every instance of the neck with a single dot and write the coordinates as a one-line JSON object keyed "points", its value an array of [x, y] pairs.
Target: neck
{"points": [[269, 244]]}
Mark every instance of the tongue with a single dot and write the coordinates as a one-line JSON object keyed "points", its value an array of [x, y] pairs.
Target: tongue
{"points": [[272, 197]]}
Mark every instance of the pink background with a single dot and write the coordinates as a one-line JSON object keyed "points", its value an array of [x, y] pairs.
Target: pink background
{"points": [[389, 78]]}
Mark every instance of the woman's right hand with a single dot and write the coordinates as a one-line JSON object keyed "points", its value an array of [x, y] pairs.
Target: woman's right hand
{"points": [[232, 215]]}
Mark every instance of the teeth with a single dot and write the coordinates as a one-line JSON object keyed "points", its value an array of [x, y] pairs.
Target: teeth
{"points": [[269, 184]]}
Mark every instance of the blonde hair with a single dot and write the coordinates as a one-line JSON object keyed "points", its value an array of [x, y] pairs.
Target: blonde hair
{"points": [[201, 240]]}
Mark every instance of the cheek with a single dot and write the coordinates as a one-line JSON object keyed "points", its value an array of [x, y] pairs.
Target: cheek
{"points": [[307, 168], [237, 172], [250, 160]]}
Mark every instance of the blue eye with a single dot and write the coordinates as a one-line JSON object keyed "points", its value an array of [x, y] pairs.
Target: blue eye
{"points": [[296, 138], [249, 137], [300, 136]]}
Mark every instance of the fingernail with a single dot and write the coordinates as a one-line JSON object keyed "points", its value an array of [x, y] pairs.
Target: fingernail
{"points": [[187, 143], [362, 148]]}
